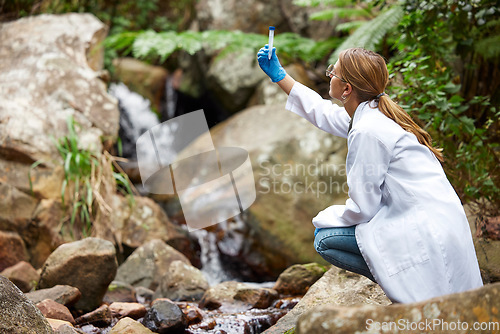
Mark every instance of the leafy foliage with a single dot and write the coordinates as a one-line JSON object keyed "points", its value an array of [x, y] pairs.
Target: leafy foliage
{"points": [[159, 46], [443, 78], [371, 33]]}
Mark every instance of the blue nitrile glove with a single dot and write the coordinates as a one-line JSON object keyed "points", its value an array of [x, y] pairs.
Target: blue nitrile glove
{"points": [[316, 231], [271, 67]]}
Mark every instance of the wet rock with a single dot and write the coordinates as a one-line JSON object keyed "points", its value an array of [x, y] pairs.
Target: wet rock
{"points": [[142, 78], [66, 52], [335, 287], [193, 314], [12, 249], [100, 317], [131, 310], [89, 265], [54, 310], [148, 264], [23, 275], [488, 256], [120, 292], [298, 171], [458, 313], [297, 279], [62, 294], [164, 316], [237, 296], [129, 326], [182, 282], [18, 315]]}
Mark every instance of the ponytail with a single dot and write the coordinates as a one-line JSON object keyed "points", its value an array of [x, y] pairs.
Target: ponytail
{"points": [[392, 110]]}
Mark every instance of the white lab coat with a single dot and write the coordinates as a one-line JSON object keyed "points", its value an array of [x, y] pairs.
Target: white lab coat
{"points": [[410, 224]]}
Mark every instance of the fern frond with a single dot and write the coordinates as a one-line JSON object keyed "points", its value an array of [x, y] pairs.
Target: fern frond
{"points": [[331, 13], [347, 26], [371, 32]]}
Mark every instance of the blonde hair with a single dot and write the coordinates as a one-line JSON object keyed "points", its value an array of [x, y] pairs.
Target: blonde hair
{"points": [[367, 72]]}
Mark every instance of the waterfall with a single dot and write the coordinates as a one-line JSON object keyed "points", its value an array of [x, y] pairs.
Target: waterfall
{"points": [[136, 118]]}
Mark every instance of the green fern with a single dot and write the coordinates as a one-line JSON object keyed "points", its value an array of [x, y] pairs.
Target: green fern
{"points": [[371, 32], [329, 14]]}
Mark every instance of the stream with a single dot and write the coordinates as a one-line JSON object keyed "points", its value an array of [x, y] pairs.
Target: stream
{"points": [[136, 118]]}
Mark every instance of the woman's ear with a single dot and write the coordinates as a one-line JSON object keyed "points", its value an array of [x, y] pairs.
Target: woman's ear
{"points": [[347, 89]]}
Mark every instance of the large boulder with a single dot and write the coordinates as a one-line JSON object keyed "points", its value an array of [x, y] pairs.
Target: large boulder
{"points": [[18, 315], [474, 311], [65, 52], [298, 170], [336, 287], [89, 265]]}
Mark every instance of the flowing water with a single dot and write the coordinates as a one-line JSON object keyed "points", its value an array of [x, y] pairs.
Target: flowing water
{"points": [[136, 118]]}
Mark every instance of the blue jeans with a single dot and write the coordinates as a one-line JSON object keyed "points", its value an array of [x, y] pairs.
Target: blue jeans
{"points": [[338, 246]]}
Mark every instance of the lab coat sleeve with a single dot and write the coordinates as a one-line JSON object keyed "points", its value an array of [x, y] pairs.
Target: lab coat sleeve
{"points": [[367, 164], [322, 113]]}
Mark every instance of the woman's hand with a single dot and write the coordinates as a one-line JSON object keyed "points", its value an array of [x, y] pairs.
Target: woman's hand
{"points": [[271, 67]]}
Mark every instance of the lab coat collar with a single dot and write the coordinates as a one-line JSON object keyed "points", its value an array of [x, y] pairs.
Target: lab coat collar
{"points": [[358, 113]]}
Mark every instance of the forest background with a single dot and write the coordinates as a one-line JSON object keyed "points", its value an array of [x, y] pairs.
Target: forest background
{"points": [[443, 57]]}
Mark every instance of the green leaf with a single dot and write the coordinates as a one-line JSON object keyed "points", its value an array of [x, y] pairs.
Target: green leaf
{"points": [[371, 32]]}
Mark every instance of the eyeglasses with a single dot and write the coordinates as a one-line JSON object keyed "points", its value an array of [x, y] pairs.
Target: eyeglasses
{"points": [[329, 73]]}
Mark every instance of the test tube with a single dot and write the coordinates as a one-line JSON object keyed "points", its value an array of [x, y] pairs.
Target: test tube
{"points": [[271, 38]]}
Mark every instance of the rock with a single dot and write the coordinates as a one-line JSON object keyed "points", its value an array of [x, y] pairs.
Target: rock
{"points": [[335, 287], [142, 78], [54, 310], [488, 256], [193, 314], [182, 282], [299, 170], [488, 227], [16, 207], [129, 326], [12, 249], [458, 312], [63, 294], [18, 315], [144, 295], [148, 264], [297, 279], [147, 222], [43, 234], [68, 329], [23, 275], [65, 51], [239, 296], [270, 93], [245, 15], [59, 325], [131, 310], [100, 317], [89, 265], [120, 292], [165, 317], [233, 78]]}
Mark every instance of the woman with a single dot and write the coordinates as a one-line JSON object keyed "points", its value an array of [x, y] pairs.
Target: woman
{"points": [[403, 225]]}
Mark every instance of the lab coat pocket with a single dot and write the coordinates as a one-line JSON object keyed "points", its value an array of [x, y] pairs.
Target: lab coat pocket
{"points": [[400, 242]]}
